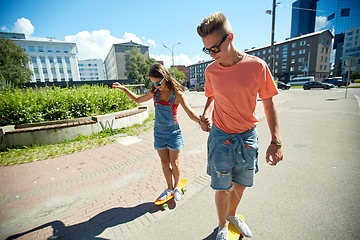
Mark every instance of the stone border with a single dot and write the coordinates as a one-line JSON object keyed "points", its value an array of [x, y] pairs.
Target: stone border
{"points": [[57, 131]]}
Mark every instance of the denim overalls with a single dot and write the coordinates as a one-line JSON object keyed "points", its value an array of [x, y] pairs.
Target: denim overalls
{"points": [[167, 133]]}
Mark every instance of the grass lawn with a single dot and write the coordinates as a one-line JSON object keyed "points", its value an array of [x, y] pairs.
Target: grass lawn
{"points": [[13, 156]]}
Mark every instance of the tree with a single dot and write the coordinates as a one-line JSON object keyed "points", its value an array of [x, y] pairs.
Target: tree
{"points": [[137, 67], [13, 61], [179, 76], [355, 75]]}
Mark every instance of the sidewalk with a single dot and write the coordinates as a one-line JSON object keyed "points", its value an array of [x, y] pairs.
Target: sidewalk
{"points": [[108, 192]]}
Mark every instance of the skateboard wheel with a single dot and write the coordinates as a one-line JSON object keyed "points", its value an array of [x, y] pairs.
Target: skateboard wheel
{"points": [[184, 190], [165, 206]]}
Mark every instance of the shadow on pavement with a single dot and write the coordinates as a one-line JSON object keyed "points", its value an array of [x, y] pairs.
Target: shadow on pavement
{"points": [[95, 226], [212, 236]]}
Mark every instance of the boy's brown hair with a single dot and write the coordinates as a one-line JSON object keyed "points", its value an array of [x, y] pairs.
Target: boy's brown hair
{"points": [[216, 22]]}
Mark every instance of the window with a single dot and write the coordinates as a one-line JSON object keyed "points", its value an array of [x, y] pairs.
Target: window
{"points": [[345, 12], [42, 59], [59, 60], [89, 64], [57, 49], [277, 49], [292, 60], [51, 59], [302, 51], [53, 71], [69, 71], [33, 59], [263, 52], [67, 60], [291, 69], [61, 70], [49, 49], [293, 53], [330, 17], [45, 71], [325, 59], [41, 48], [320, 67], [302, 43], [293, 45], [32, 48], [36, 70], [66, 50], [95, 64]]}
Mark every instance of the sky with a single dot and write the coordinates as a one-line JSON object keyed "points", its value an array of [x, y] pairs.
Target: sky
{"points": [[95, 25]]}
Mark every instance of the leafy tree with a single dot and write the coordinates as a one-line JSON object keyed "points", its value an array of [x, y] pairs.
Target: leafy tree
{"points": [[13, 61], [179, 76], [355, 75], [137, 67]]}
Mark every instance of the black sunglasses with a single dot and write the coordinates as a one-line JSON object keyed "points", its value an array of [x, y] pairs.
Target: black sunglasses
{"points": [[158, 84], [215, 49]]}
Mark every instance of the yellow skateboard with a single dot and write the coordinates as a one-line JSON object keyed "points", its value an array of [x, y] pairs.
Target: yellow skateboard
{"points": [[163, 203], [233, 233]]}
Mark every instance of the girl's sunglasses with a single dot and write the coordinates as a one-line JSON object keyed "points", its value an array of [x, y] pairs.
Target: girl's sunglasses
{"points": [[215, 49], [158, 84]]}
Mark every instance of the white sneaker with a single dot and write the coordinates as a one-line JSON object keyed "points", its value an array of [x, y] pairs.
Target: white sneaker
{"points": [[222, 233], [167, 192], [177, 193], [240, 225]]}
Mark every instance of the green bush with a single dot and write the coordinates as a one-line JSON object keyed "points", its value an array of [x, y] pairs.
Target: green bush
{"points": [[54, 103]]}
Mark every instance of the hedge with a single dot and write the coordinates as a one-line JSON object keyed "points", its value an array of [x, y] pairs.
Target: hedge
{"points": [[20, 106]]}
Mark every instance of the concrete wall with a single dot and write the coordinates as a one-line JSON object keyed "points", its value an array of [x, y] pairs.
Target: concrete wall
{"points": [[57, 131]]}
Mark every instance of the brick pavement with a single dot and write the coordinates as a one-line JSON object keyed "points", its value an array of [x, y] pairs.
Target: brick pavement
{"points": [[105, 192]]}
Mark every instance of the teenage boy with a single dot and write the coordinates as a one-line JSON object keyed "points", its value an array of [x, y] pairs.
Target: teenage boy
{"points": [[232, 83]]}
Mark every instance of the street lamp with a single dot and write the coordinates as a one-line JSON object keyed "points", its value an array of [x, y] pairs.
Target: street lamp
{"points": [[172, 55], [272, 60]]}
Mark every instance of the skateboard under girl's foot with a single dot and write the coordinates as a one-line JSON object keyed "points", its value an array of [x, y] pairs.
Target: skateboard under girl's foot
{"points": [[163, 203], [233, 232]]}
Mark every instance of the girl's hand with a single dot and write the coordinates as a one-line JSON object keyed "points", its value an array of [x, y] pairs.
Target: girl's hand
{"points": [[117, 85], [205, 124]]}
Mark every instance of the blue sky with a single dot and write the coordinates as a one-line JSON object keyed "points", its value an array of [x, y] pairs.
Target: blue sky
{"points": [[96, 25]]}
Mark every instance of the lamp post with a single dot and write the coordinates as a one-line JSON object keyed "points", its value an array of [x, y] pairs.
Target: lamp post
{"points": [[308, 61], [172, 55], [272, 56]]}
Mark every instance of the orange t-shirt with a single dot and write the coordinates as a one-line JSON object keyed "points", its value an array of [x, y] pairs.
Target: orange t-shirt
{"points": [[235, 90]]}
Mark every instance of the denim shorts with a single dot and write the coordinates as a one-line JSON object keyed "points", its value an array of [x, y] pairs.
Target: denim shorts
{"points": [[168, 138], [224, 168]]}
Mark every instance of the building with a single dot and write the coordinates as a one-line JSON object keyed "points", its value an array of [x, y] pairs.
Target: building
{"points": [[51, 60], [91, 69], [196, 74], [308, 54], [351, 49], [115, 60], [183, 69], [303, 17], [337, 16]]}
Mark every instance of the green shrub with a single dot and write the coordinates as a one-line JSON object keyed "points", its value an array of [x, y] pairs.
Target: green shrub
{"points": [[54, 103]]}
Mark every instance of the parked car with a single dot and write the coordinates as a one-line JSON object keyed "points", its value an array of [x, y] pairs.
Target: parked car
{"points": [[300, 81], [201, 89], [316, 84], [283, 86], [337, 81]]}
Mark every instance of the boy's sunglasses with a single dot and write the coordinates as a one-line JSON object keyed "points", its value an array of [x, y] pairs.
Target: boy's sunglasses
{"points": [[158, 84], [215, 49]]}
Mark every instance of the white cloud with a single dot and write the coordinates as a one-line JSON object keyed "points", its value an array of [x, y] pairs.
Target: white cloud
{"points": [[96, 44], [151, 42], [23, 25], [181, 59], [320, 23], [4, 28]]}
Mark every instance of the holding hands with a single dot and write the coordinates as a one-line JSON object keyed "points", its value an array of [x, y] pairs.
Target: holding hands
{"points": [[205, 124]]}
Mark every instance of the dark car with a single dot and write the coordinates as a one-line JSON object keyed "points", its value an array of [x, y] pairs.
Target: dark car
{"points": [[316, 84], [337, 81], [283, 86], [201, 89]]}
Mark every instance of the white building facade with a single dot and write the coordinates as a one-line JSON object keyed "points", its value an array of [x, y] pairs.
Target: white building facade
{"points": [[91, 69], [51, 60], [351, 49]]}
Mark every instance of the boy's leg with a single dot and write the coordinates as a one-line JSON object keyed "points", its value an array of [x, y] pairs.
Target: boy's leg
{"points": [[235, 197], [222, 206], [165, 162], [175, 166]]}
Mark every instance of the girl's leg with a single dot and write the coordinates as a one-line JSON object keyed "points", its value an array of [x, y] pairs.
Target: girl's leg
{"points": [[165, 162], [174, 160]]}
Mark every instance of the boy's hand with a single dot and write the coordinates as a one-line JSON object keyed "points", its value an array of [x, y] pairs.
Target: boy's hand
{"points": [[274, 154], [117, 85], [205, 124]]}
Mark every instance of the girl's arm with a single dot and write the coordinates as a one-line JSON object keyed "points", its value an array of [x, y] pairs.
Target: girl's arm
{"points": [[138, 99], [182, 100]]}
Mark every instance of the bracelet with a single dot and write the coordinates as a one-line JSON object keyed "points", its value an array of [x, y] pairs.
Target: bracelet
{"points": [[276, 143]]}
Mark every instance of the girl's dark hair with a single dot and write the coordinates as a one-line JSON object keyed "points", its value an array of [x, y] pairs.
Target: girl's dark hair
{"points": [[159, 71]]}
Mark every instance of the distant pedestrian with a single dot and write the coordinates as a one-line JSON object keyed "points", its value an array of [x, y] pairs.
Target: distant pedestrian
{"points": [[232, 83], [167, 94]]}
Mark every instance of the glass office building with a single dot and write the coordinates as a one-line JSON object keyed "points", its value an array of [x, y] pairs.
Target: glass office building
{"points": [[303, 17]]}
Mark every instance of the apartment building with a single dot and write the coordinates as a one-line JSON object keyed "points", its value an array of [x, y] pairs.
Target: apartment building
{"points": [[196, 73], [308, 54], [115, 60], [51, 60], [91, 69]]}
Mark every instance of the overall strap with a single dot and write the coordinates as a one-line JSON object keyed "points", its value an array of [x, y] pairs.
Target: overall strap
{"points": [[156, 95], [172, 97]]}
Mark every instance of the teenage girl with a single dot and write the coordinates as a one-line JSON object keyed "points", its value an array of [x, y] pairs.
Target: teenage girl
{"points": [[167, 94]]}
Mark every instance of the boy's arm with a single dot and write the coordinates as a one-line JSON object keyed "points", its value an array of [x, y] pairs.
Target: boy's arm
{"points": [[274, 152], [138, 99]]}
